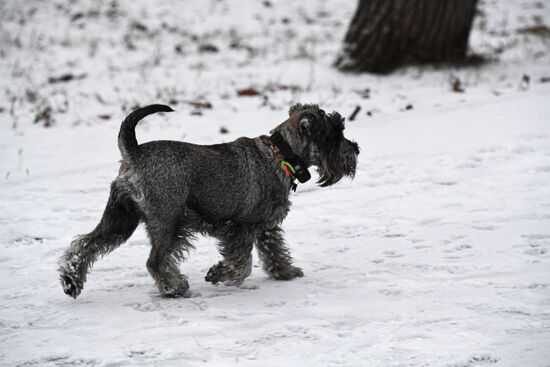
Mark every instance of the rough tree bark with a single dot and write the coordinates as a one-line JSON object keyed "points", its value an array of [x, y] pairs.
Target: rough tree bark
{"points": [[385, 34]]}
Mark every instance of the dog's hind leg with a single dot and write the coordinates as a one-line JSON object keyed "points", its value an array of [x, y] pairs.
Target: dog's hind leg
{"points": [[170, 244], [236, 248], [117, 224], [275, 255]]}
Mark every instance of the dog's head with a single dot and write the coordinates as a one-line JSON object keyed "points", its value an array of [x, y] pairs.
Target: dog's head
{"points": [[319, 140]]}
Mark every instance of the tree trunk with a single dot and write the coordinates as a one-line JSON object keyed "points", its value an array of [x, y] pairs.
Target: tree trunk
{"points": [[385, 34]]}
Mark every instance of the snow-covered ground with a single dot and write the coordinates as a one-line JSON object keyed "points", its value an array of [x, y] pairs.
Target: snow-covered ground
{"points": [[437, 254]]}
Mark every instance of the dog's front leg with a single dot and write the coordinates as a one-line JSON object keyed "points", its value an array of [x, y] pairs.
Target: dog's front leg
{"points": [[236, 248], [275, 255]]}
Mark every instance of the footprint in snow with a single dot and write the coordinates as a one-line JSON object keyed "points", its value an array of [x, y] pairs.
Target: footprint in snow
{"points": [[487, 227], [478, 360], [390, 292], [392, 254], [537, 244], [459, 248]]}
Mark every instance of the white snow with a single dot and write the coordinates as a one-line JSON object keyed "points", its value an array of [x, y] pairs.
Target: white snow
{"points": [[437, 254]]}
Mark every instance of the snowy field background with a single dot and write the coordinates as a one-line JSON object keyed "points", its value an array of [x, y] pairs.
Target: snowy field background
{"points": [[437, 254]]}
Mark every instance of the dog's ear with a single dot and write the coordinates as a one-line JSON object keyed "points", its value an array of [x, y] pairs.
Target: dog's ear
{"points": [[294, 108], [337, 121]]}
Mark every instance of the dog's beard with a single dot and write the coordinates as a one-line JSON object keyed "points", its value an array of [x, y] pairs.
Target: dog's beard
{"points": [[335, 164]]}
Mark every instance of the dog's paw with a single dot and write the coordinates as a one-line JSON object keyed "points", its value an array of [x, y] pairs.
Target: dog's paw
{"points": [[175, 289], [216, 274], [227, 274], [287, 274], [72, 286], [180, 293]]}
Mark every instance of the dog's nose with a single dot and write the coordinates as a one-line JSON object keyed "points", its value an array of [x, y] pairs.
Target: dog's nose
{"points": [[355, 147]]}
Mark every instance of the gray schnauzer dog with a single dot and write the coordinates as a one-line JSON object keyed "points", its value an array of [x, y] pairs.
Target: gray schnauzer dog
{"points": [[236, 192]]}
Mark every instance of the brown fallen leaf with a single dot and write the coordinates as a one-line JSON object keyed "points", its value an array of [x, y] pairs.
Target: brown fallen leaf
{"points": [[364, 93], [248, 92], [457, 86], [76, 17], [138, 26], [44, 114], [208, 47], [539, 30], [200, 104]]}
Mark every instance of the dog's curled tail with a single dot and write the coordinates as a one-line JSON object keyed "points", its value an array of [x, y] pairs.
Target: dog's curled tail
{"points": [[127, 136]]}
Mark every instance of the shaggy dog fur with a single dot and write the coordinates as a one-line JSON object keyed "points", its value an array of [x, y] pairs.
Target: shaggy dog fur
{"points": [[235, 192]]}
